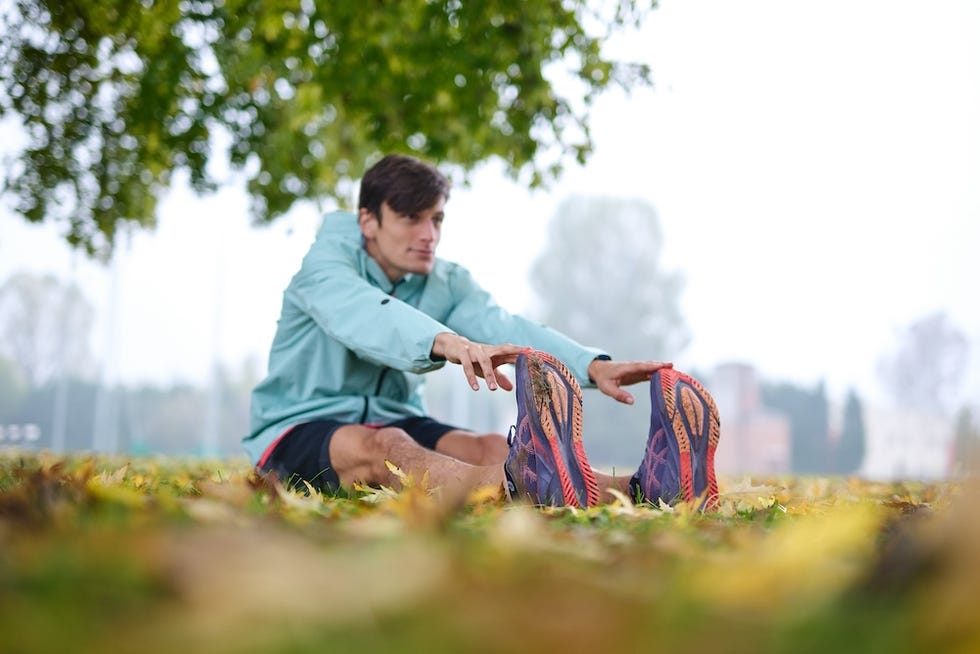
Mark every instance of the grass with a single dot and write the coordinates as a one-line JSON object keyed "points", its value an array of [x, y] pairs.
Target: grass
{"points": [[103, 554]]}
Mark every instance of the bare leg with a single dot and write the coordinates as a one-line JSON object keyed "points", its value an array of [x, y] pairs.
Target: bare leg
{"points": [[477, 449], [358, 454], [618, 482], [489, 449]]}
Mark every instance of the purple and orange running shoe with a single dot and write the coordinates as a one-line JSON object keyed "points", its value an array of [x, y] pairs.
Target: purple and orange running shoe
{"points": [[679, 462], [547, 461]]}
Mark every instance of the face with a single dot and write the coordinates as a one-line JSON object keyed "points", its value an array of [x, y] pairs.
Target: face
{"points": [[403, 243]]}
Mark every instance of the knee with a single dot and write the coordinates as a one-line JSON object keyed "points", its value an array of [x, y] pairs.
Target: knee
{"points": [[493, 449], [382, 445]]}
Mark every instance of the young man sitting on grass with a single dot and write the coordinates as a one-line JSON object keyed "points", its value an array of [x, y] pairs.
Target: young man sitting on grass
{"points": [[372, 309]]}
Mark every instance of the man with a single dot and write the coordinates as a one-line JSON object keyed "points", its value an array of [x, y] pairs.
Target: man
{"points": [[372, 309]]}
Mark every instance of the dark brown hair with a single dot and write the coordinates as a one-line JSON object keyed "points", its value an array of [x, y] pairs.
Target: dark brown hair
{"points": [[406, 184]]}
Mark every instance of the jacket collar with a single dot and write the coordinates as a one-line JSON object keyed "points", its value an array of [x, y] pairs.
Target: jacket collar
{"points": [[372, 270]]}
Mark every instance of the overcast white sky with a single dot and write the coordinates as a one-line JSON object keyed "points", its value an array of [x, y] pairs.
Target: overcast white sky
{"points": [[815, 165]]}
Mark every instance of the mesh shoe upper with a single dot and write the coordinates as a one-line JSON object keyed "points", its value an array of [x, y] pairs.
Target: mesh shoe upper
{"points": [[659, 474]]}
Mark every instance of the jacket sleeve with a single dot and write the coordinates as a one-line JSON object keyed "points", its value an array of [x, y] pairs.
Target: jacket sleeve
{"points": [[477, 316], [372, 324]]}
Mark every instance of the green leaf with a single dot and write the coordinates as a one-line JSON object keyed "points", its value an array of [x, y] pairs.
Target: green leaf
{"points": [[115, 96]]}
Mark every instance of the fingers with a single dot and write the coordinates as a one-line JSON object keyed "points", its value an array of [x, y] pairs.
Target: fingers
{"points": [[501, 354], [648, 367], [481, 360], [460, 350], [612, 376], [498, 355], [633, 372], [611, 388], [504, 381], [465, 360], [486, 368], [492, 357]]}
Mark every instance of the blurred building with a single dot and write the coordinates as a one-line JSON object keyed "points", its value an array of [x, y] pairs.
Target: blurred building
{"points": [[754, 439]]}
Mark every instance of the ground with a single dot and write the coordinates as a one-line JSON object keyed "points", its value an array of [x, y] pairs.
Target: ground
{"points": [[101, 554]]}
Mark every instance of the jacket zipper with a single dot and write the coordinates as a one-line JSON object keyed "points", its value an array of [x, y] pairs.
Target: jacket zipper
{"points": [[381, 377], [377, 392]]}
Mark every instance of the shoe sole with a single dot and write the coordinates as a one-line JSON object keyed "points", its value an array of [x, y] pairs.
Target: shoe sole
{"points": [[552, 386], [695, 428]]}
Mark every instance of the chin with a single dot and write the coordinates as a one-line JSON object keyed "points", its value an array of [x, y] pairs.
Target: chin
{"points": [[422, 267]]}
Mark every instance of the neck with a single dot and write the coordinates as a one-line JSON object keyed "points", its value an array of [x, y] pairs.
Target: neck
{"points": [[393, 274]]}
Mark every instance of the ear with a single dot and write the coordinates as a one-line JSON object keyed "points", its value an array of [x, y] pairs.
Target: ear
{"points": [[368, 222]]}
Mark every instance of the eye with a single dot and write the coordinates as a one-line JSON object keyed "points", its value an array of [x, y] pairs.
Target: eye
{"points": [[437, 220]]}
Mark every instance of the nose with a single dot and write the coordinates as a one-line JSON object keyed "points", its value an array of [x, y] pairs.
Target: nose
{"points": [[430, 232]]}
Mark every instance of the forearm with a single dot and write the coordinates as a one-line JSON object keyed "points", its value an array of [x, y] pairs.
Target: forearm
{"points": [[391, 334], [477, 316]]}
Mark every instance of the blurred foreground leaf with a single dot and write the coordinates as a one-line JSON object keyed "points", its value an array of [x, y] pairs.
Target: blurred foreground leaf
{"points": [[154, 555]]}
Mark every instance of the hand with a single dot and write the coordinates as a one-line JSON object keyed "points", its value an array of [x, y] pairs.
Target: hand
{"points": [[477, 359], [609, 376]]}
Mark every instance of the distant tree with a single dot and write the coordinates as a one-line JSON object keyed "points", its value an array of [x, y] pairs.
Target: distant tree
{"points": [[966, 444], [926, 371], [808, 415], [45, 327], [236, 392], [149, 419], [852, 444], [169, 420], [601, 280], [12, 390], [116, 95], [80, 398], [163, 420]]}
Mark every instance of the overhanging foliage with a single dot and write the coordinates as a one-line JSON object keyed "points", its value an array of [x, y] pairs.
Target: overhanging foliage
{"points": [[115, 96]]}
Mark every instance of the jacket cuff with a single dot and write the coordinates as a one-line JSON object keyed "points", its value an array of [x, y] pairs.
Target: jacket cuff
{"points": [[580, 366]]}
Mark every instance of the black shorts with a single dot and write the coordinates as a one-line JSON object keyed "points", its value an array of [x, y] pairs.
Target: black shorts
{"points": [[303, 452]]}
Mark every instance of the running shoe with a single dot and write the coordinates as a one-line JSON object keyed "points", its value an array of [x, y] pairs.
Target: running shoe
{"points": [[679, 461], [547, 461]]}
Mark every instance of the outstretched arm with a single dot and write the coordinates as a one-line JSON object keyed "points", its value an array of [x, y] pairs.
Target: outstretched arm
{"points": [[610, 376], [479, 317], [477, 359]]}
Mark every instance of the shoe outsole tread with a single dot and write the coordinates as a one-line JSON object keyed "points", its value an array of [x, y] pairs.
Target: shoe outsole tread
{"points": [[690, 412], [560, 414]]}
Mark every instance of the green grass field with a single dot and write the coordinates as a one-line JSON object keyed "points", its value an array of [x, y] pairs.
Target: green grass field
{"points": [[151, 555]]}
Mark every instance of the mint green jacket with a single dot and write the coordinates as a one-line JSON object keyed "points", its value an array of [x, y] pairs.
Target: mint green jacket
{"points": [[352, 346]]}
